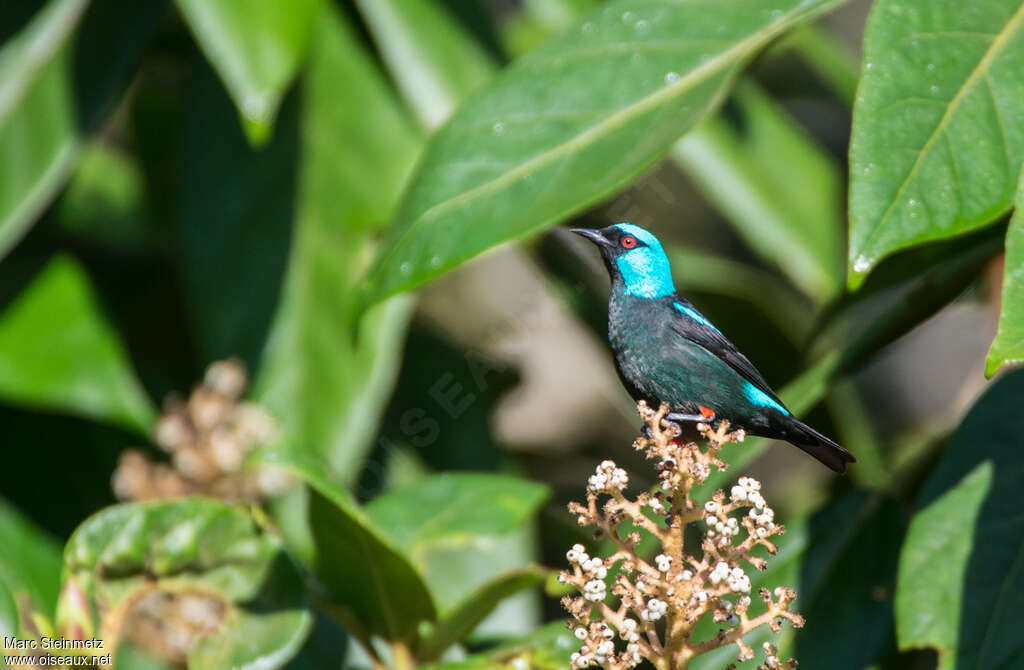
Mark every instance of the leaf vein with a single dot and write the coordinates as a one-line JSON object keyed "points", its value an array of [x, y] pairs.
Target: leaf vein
{"points": [[993, 51], [697, 75]]}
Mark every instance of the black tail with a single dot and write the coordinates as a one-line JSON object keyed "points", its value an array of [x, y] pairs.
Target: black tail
{"points": [[817, 445]]}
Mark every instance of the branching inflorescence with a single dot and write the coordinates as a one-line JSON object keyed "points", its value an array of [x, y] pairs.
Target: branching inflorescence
{"points": [[654, 606]]}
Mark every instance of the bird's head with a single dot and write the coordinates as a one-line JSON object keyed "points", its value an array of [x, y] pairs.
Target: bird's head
{"points": [[633, 256]]}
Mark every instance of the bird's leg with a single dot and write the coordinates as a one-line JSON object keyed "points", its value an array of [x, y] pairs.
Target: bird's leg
{"points": [[679, 417]]}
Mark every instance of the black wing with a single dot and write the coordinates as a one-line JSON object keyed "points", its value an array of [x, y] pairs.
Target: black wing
{"points": [[692, 325]]}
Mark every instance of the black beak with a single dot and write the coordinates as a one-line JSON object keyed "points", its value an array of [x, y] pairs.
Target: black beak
{"points": [[593, 235]]}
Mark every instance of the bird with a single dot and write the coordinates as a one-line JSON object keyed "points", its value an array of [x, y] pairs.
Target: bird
{"points": [[666, 351]]}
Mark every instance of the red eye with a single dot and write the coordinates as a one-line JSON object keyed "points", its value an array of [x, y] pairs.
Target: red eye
{"points": [[628, 242]]}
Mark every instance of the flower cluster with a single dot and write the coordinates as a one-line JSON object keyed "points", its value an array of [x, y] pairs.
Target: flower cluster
{"points": [[208, 437], [654, 606], [607, 477]]}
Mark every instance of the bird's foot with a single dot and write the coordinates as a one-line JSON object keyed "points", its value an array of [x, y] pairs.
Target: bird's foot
{"points": [[705, 416]]}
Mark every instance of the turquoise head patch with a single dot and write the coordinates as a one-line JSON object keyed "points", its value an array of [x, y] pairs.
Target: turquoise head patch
{"points": [[645, 270]]}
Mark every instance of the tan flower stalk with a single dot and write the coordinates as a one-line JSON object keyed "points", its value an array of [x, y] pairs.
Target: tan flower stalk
{"points": [[654, 606]]}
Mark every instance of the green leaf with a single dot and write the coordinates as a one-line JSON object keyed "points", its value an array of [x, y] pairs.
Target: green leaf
{"points": [[25, 55], [46, 100], [257, 47], [541, 142], [10, 619], [937, 141], [464, 617], [30, 562], [187, 547], [236, 206], [547, 648], [448, 525], [781, 192], [434, 62], [105, 200], [847, 597], [466, 534], [57, 352], [1008, 347], [130, 657], [909, 288], [960, 578], [370, 586], [37, 116], [326, 384]]}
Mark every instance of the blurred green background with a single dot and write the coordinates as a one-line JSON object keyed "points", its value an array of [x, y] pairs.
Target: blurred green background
{"points": [[284, 185]]}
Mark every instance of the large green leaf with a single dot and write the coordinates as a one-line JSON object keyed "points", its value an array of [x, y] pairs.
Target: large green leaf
{"points": [[847, 595], [448, 525], [434, 63], [25, 55], [30, 562], [465, 532], [462, 619], [327, 384], [237, 205], [781, 192], [541, 142], [1008, 347], [754, 164], [57, 352], [37, 116], [257, 47], [937, 138], [187, 547], [960, 577], [47, 98], [368, 583]]}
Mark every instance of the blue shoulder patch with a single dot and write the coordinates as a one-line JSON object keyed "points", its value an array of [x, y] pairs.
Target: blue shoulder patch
{"points": [[759, 397], [695, 315]]}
